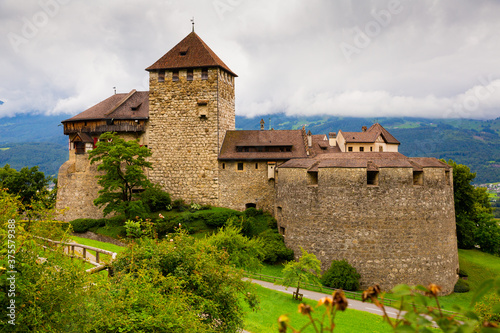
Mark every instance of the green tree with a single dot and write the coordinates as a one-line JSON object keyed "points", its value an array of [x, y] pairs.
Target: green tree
{"points": [[306, 270], [123, 163], [210, 285], [475, 223], [243, 252], [29, 184], [341, 275]]}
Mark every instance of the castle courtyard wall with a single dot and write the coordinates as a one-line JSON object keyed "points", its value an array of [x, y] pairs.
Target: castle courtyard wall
{"points": [[250, 185], [392, 233]]}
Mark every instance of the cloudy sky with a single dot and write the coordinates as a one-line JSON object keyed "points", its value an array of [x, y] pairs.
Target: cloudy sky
{"points": [[352, 58]]}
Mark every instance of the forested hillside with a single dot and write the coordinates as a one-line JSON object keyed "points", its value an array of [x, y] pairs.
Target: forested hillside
{"points": [[39, 140]]}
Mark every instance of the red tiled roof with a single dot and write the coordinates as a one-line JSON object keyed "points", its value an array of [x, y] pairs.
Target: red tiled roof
{"points": [[370, 135], [370, 160], [259, 138], [191, 52], [134, 105]]}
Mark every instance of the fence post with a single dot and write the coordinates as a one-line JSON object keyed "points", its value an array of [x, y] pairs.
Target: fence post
{"points": [[96, 257], [84, 253]]}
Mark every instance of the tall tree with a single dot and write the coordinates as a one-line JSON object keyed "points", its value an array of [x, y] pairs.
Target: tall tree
{"points": [[298, 273], [474, 218], [123, 163]]}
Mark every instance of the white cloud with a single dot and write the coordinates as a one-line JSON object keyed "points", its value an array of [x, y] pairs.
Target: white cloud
{"points": [[426, 58]]}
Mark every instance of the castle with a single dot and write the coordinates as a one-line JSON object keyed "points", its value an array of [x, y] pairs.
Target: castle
{"points": [[345, 195]]}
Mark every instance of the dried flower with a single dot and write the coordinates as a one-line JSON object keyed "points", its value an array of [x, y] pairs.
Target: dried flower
{"points": [[327, 301], [282, 323], [305, 309], [339, 300], [370, 293], [434, 290]]}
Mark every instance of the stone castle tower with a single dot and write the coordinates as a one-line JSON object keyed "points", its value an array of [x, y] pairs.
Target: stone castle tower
{"points": [[191, 106]]}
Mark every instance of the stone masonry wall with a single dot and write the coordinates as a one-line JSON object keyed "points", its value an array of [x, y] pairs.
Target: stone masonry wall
{"points": [[251, 185], [392, 233], [77, 188], [185, 146]]}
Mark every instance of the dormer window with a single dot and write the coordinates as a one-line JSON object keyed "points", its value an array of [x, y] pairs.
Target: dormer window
{"points": [[161, 75], [189, 75], [184, 51], [175, 76], [135, 108]]}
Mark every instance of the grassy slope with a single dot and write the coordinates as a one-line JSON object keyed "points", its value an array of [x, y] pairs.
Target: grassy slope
{"points": [[274, 303]]}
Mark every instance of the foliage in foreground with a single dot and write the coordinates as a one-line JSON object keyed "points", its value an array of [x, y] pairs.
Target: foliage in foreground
{"points": [[418, 311]]}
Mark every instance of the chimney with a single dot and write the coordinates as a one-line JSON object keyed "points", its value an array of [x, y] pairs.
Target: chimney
{"points": [[309, 139], [262, 124], [364, 128], [332, 139]]}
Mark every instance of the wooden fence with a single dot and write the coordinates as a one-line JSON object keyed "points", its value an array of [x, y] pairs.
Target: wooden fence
{"points": [[70, 251]]}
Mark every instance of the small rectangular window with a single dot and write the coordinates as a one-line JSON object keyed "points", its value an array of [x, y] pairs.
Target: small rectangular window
{"points": [[204, 74], [282, 231], [372, 177], [223, 165], [418, 178], [256, 166], [175, 76], [447, 176], [349, 148], [161, 75], [381, 148], [361, 148], [240, 166], [371, 148], [189, 76], [312, 178]]}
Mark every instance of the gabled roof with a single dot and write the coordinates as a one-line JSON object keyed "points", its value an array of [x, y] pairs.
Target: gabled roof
{"points": [[191, 52], [370, 135], [82, 137], [259, 138], [134, 105]]}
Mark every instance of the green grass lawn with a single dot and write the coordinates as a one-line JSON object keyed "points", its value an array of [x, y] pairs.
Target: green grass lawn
{"points": [[274, 303], [99, 245]]}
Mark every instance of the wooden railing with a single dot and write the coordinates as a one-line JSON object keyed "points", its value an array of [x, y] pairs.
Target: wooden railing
{"points": [[70, 247]]}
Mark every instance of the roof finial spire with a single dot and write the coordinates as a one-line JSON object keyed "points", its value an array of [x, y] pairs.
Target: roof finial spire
{"points": [[192, 22]]}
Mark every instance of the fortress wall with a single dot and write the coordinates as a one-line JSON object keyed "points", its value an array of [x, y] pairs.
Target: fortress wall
{"points": [[77, 188], [237, 188], [392, 233], [185, 146]]}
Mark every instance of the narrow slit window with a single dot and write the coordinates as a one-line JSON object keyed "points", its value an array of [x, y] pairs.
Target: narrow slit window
{"points": [[189, 76], [223, 165], [175, 76], [372, 178], [418, 178], [204, 74], [447, 176], [256, 166], [161, 76]]}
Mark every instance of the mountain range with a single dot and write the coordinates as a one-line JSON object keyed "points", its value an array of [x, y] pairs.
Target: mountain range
{"points": [[28, 140]]}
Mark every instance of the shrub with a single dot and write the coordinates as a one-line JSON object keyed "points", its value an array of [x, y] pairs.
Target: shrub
{"points": [[486, 308], [251, 211], [341, 275], [461, 286], [217, 219], [116, 221], [462, 273], [274, 247], [84, 225], [155, 198], [137, 209], [179, 205]]}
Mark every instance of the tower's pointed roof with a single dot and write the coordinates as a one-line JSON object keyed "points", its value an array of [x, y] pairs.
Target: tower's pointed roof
{"points": [[191, 52]]}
